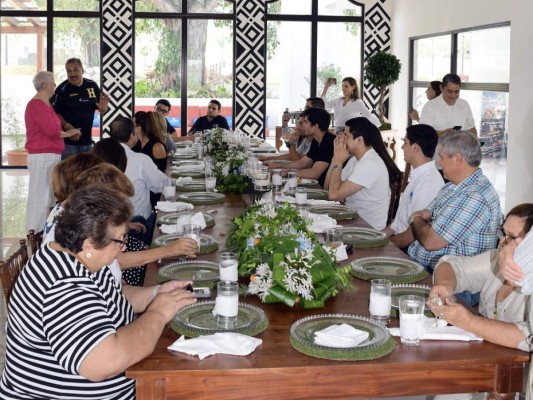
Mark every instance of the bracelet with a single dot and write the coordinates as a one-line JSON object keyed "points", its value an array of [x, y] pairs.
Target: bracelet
{"points": [[155, 289], [335, 167]]}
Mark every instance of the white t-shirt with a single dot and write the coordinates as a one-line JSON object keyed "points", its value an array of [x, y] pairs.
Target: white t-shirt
{"points": [[352, 109], [372, 201], [424, 184], [438, 114]]}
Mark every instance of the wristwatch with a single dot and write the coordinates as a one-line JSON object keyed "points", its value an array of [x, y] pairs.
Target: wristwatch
{"points": [[335, 167]]}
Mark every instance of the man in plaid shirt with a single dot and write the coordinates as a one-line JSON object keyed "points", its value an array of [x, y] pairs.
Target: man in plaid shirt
{"points": [[465, 216]]}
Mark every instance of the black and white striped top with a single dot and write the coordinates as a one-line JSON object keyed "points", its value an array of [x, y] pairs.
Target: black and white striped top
{"points": [[58, 312]]}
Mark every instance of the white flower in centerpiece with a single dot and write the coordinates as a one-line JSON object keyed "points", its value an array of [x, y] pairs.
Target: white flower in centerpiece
{"points": [[262, 281]]}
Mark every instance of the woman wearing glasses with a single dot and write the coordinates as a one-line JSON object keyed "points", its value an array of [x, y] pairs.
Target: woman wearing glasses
{"points": [[71, 331], [502, 306]]}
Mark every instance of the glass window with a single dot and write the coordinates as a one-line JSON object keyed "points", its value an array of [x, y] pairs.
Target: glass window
{"points": [[431, 58], [27, 5], [338, 58], [22, 53], [75, 5], [167, 6], [289, 7], [288, 68], [217, 6], [339, 7], [484, 55], [209, 68]]}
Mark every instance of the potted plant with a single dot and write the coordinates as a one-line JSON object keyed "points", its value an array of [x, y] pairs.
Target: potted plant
{"points": [[12, 125], [381, 70]]}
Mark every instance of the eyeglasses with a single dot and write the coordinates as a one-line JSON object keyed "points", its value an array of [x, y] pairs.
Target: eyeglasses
{"points": [[506, 235], [121, 242], [162, 110]]}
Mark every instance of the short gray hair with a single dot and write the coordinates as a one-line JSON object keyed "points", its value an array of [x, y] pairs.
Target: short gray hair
{"points": [[464, 143], [41, 79]]}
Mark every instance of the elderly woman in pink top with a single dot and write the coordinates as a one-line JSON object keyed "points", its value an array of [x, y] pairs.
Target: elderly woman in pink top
{"points": [[44, 142]]}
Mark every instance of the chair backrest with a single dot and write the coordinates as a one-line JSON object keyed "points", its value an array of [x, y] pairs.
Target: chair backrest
{"points": [[35, 240], [10, 269], [395, 194]]}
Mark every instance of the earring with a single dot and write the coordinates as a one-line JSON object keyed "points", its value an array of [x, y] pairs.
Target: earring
{"points": [[88, 255]]}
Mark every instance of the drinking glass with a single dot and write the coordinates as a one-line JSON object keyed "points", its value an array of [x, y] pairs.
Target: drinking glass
{"points": [[277, 180], [380, 300], [228, 266], [199, 151], [411, 317], [192, 231], [169, 189], [300, 196], [333, 237], [227, 304], [184, 218], [210, 181], [262, 180], [292, 179]]}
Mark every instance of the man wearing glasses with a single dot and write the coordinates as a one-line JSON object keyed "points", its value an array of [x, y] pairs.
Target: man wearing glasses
{"points": [[163, 107], [212, 120]]}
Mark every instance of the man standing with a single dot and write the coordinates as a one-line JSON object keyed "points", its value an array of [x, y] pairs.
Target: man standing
{"points": [[75, 101], [425, 180], [448, 112], [314, 165], [142, 172], [213, 119], [163, 107], [464, 218]]}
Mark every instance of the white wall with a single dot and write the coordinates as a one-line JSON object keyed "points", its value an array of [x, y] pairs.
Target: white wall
{"points": [[421, 17]]}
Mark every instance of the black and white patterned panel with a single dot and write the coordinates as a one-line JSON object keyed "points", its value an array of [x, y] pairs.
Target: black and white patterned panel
{"points": [[250, 63], [117, 60], [377, 38]]}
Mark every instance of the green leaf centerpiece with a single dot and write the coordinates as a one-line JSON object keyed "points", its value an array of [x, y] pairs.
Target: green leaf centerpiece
{"points": [[283, 258]]}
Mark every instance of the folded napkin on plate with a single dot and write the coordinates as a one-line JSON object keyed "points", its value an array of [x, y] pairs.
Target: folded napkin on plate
{"points": [[183, 179], [169, 206], [342, 335], [223, 343], [196, 219], [429, 331], [189, 167], [320, 222]]}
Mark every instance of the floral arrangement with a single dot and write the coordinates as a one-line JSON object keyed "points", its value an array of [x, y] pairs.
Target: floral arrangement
{"points": [[283, 258], [227, 157]]}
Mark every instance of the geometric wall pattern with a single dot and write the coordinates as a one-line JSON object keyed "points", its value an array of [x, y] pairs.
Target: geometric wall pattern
{"points": [[117, 60], [377, 38], [250, 63]]}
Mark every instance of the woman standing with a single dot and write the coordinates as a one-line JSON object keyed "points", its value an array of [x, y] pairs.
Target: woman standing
{"points": [[350, 106], [44, 142], [433, 90]]}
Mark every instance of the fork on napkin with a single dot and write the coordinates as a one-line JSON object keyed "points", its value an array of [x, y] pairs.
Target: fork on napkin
{"points": [[342, 335], [169, 206], [428, 331], [220, 343]]}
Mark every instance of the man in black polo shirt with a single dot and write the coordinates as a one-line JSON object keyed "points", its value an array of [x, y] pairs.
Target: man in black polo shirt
{"points": [[213, 119], [315, 164], [75, 101]]}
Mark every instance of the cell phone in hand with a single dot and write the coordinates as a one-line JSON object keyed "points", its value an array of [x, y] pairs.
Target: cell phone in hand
{"points": [[333, 81], [457, 127]]}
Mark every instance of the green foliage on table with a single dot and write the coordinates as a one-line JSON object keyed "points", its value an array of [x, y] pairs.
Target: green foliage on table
{"points": [[283, 258]]}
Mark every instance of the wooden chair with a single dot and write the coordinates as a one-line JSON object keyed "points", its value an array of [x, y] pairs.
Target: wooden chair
{"points": [[35, 240], [10, 269]]}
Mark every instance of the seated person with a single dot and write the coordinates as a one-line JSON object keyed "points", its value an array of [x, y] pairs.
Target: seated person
{"points": [[314, 165], [69, 315], [464, 218], [364, 181], [163, 107], [425, 181], [299, 145], [503, 307], [213, 119]]}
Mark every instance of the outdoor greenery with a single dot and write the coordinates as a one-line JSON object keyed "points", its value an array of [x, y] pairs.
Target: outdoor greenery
{"points": [[14, 207], [381, 70], [12, 125]]}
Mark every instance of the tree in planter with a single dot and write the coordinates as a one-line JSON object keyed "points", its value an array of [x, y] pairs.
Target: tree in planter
{"points": [[381, 70], [12, 127]]}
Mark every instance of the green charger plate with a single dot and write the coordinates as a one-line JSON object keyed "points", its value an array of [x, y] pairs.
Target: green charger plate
{"points": [[208, 243], [406, 289], [197, 185], [338, 212], [198, 320], [378, 344], [312, 194], [364, 237], [192, 174], [172, 218], [201, 272], [397, 270], [202, 198]]}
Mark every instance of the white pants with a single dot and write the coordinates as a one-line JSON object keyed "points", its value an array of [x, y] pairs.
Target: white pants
{"points": [[40, 194]]}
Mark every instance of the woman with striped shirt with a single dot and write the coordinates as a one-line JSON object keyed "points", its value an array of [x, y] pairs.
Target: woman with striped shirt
{"points": [[71, 333]]}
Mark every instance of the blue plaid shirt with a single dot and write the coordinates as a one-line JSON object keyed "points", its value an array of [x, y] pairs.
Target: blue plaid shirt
{"points": [[467, 216]]}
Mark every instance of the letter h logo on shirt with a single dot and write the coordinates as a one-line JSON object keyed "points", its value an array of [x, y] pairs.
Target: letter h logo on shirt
{"points": [[91, 93]]}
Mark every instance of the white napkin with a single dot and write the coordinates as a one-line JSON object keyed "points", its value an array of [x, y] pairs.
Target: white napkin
{"points": [[342, 335], [223, 343], [441, 332], [169, 206], [313, 202], [321, 222], [197, 219], [189, 167]]}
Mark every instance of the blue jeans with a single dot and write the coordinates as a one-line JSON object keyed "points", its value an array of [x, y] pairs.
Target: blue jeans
{"points": [[71, 149]]}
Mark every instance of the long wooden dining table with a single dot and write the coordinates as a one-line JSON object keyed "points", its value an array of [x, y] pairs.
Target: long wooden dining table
{"points": [[275, 370]]}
